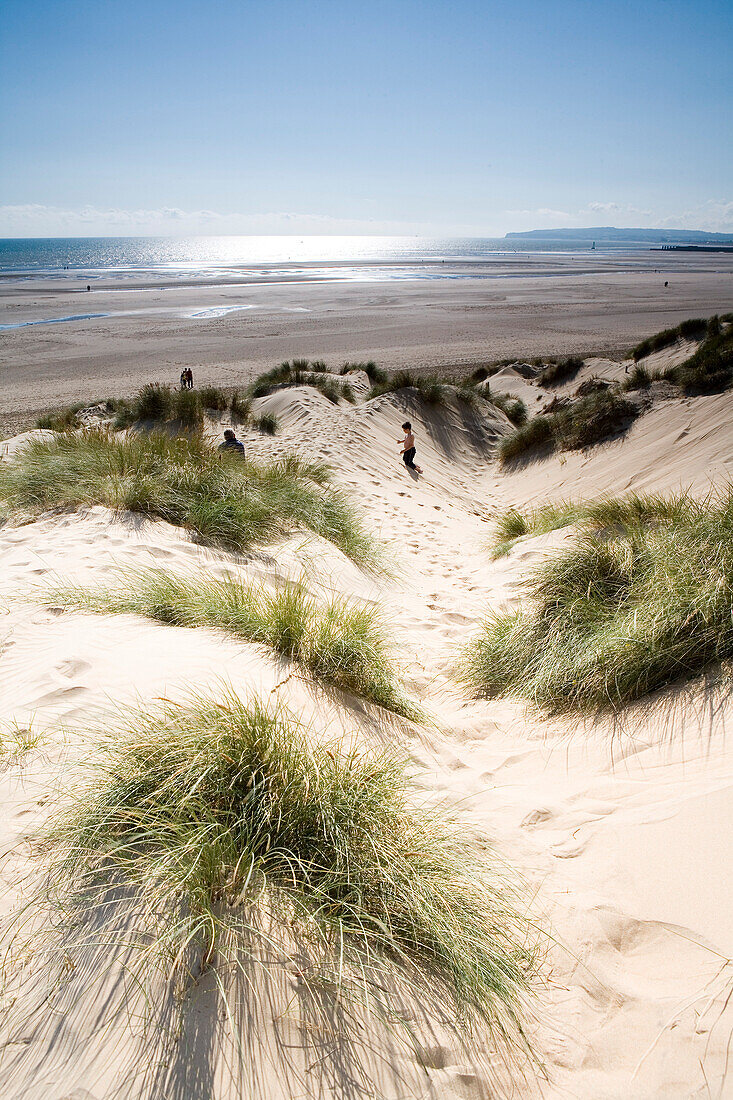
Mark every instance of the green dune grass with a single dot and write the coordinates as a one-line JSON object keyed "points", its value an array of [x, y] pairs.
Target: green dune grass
{"points": [[644, 597], [339, 643], [225, 501], [215, 813]]}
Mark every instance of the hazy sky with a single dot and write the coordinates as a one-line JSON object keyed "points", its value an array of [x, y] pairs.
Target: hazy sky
{"points": [[377, 116]]}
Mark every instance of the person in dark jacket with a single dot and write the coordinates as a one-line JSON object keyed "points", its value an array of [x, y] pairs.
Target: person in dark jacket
{"points": [[231, 443]]}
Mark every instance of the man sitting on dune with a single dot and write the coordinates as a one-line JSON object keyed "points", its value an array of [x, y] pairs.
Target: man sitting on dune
{"points": [[231, 443], [408, 448]]}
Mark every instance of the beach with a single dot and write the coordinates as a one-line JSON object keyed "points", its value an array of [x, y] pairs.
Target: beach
{"points": [[83, 346]]}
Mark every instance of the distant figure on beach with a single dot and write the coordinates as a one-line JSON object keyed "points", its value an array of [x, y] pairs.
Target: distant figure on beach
{"points": [[231, 443], [88, 287], [189, 378], [184, 379], [666, 284], [408, 447]]}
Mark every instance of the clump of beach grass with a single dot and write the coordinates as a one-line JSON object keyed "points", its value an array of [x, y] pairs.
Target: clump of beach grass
{"points": [[240, 408], [212, 397], [639, 379], [62, 421], [710, 368], [513, 524], [529, 437], [153, 402], [374, 373], [512, 407], [562, 370], [692, 329], [433, 390], [226, 821], [644, 597], [340, 643], [187, 409], [224, 500], [302, 372], [267, 423], [581, 423]]}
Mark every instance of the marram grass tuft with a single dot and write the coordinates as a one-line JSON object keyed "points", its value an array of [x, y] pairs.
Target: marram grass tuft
{"points": [[339, 643], [644, 597], [225, 501], [224, 821]]}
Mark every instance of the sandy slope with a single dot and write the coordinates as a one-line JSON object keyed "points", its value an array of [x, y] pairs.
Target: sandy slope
{"points": [[620, 830]]}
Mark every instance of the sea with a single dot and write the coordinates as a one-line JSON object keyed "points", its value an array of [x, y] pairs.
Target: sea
{"points": [[223, 257]]}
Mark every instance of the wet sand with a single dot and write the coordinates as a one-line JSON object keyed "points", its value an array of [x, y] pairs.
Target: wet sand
{"points": [[227, 329]]}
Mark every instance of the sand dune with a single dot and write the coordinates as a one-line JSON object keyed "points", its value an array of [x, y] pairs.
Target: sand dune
{"points": [[619, 828]]}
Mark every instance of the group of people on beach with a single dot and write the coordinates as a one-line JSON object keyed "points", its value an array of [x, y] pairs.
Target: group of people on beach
{"points": [[187, 379]]}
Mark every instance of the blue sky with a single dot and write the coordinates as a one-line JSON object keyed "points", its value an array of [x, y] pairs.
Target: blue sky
{"points": [[343, 116]]}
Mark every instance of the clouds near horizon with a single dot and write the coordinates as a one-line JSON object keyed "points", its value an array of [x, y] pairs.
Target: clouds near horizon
{"points": [[39, 220]]}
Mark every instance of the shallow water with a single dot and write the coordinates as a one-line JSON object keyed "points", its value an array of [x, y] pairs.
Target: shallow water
{"points": [[217, 257]]}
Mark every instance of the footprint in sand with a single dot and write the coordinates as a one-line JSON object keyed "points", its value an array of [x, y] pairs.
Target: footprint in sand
{"points": [[59, 696], [69, 669]]}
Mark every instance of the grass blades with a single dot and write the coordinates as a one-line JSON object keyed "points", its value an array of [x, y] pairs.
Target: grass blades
{"points": [[341, 644], [513, 407], [693, 329], [302, 372], [432, 389], [217, 814], [513, 524], [181, 479], [560, 371], [644, 597], [710, 369], [581, 423]]}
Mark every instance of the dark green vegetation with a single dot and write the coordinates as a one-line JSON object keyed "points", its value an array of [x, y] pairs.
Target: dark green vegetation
{"points": [[431, 389], [68, 420], [158, 404], [694, 329], [227, 821], [302, 372], [513, 407], [373, 372], [643, 598], [339, 643], [240, 408], [639, 379], [580, 423], [599, 411], [513, 525], [267, 423], [214, 398], [710, 369], [224, 500], [560, 371]]}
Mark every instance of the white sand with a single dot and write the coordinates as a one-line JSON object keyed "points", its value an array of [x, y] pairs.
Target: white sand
{"points": [[621, 830]]}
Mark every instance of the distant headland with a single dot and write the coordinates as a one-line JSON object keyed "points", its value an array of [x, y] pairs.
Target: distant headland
{"points": [[638, 236]]}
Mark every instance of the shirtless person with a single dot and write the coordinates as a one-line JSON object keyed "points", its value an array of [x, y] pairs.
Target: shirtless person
{"points": [[408, 447]]}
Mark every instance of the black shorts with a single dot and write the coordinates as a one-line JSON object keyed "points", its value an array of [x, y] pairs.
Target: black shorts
{"points": [[408, 457]]}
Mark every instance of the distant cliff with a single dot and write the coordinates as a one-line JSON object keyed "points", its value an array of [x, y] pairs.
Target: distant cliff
{"points": [[609, 233]]}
